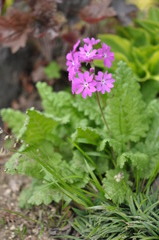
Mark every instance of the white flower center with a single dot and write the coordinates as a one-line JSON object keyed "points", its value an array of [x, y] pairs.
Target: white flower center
{"points": [[105, 55], [103, 81], [87, 54], [85, 85]]}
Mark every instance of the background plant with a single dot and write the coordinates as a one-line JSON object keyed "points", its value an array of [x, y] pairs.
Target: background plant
{"points": [[138, 45]]}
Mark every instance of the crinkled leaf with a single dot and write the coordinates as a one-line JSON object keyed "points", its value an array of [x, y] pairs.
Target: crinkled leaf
{"points": [[53, 103], [14, 118], [116, 190], [45, 154], [38, 126], [52, 70], [60, 105], [116, 145], [41, 193], [139, 162], [86, 135], [150, 146], [126, 112], [21, 164], [89, 108]]}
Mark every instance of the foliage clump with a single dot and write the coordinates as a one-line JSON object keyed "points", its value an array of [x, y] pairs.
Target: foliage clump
{"points": [[71, 155]]}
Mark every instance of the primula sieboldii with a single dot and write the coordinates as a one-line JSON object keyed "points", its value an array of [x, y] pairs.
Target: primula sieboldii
{"points": [[84, 79], [84, 84]]}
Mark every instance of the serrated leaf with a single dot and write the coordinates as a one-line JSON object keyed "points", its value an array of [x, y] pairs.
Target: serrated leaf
{"points": [[45, 194], [139, 162], [60, 105], [41, 193], [52, 70], [116, 186], [38, 127], [45, 153], [54, 103], [152, 138], [86, 135], [150, 145], [21, 164], [126, 111], [14, 118], [89, 108], [112, 143]]}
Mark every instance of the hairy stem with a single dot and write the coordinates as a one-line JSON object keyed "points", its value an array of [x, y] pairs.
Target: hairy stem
{"points": [[107, 126], [102, 113]]}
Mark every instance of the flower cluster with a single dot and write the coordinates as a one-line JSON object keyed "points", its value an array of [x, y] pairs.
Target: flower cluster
{"points": [[86, 81]]}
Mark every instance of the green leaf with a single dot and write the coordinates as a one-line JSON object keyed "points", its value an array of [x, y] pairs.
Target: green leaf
{"points": [[153, 14], [60, 105], [150, 145], [38, 126], [153, 64], [140, 163], [89, 108], [116, 186], [41, 193], [45, 154], [138, 36], [52, 70], [15, 119], [126, 111], [87, 135], [151, 26], [56, 104], [112, 143], [21, 164], [149, 90]]}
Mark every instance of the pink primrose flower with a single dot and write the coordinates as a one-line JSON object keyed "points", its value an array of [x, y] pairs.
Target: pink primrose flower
{"points": [[104, 82], [84, 84], [87, 53], [73, 64], [76, 45], [91, 41], [105, 54]]}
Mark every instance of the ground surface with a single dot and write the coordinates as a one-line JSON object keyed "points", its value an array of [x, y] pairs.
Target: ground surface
{"points": [[37, 223]]}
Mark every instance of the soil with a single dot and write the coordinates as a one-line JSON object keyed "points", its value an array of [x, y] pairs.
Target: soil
{"points": [[37, 223]]}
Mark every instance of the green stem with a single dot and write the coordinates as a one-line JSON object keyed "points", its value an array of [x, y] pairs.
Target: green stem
{"points": [[107, 126], [102, 113]]}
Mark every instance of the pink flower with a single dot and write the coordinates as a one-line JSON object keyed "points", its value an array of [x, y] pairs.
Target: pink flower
{"points": [[105, 54], [87, 53], [84, 84], [76, 45], [91, 41], [104, 82], [73, 64]]}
